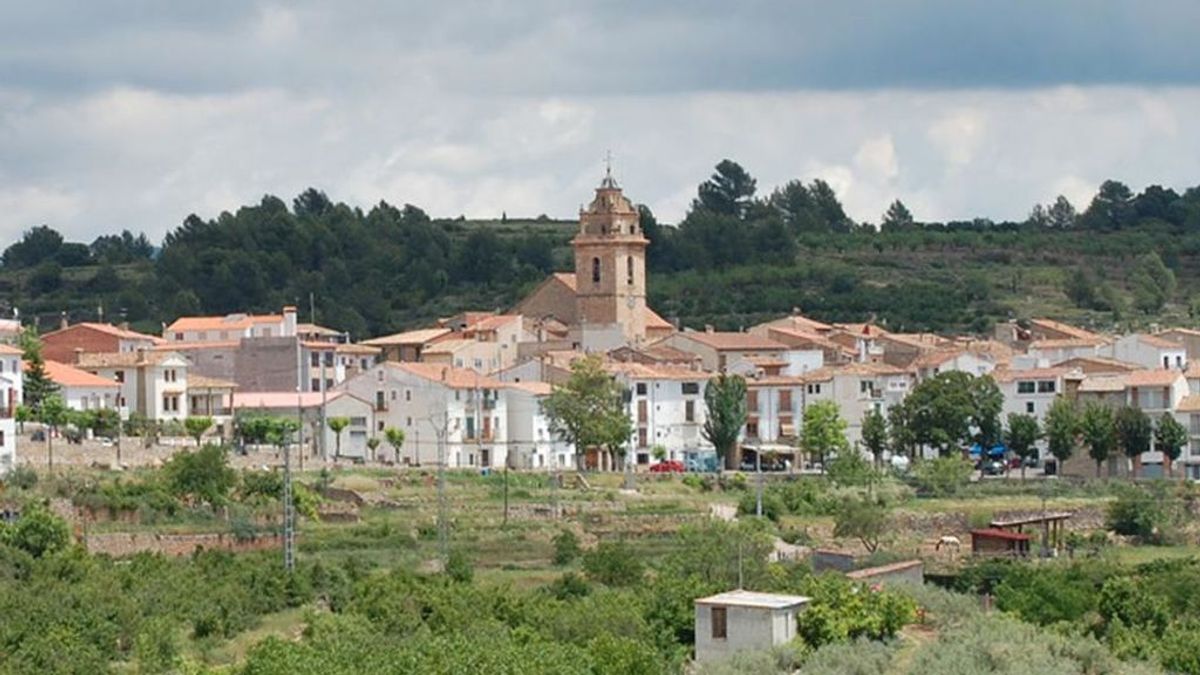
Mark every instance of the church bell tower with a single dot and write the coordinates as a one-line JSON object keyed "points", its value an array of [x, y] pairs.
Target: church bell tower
{"points": [[610, 264]]}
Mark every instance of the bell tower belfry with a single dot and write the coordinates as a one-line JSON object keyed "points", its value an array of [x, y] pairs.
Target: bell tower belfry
{"points": [[610, 264]]}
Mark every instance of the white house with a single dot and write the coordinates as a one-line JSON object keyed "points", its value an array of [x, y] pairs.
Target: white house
{"points": [[531, 443], [82, 390], [428, 401], [1157, 392], [12, 393], [1149, 351], [739, 620], [232, 327], [153, 383], [1032, 391], [1057, 350], [948, 360], [667, 407]]}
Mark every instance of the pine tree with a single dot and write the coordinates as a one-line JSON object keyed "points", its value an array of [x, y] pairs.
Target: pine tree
{"points": [[37, 383]]}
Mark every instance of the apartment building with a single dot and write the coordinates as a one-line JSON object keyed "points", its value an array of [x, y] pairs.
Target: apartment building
{"points": [[666, 404], [12, 394], [61, 345]]}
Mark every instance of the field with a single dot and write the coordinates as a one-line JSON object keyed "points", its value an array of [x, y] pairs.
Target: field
{"points": [[505, 530]]}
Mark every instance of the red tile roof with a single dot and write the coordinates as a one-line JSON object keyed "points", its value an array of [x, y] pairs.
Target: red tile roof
{"points": [[454, 378], [730, 341], [69, 376]]}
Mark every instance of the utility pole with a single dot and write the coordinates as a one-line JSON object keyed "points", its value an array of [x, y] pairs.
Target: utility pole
{"points": [[441, 427], [289, 512]]}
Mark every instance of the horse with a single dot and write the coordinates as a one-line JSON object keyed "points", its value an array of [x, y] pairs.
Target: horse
{"points": [[948, 540]]}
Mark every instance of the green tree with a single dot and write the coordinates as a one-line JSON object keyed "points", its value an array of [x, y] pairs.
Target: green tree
{"points": [[875, 435], [824, 431], [53, 414], [37, 384], [1135, 432], [862, 519], [1111, 208], [1170, 437], [614, 563], [1022, 436], [1099, 432], [897, 217], [1152, 282], [728, 192], [37, 532], [337, 425], [949, 410], [725, 415], [373, 446], [395, 438], [589, 410], [1062, 428], [204, 475], [197, 426]]}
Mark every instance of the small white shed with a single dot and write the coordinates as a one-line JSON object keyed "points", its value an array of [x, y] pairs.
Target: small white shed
{"points": [[744, 620]]}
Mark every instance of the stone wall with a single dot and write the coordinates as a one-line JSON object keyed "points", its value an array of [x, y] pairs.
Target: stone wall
{"points": [[122, 544]]}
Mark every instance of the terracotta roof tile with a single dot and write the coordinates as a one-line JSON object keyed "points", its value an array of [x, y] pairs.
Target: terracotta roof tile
{"points": [[454, 378], [412, 337], [721, 340], [1066, 329], [125, 359], [69, 376]]}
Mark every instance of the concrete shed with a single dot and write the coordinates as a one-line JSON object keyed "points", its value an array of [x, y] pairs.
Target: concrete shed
{"points": [[744, 620]]}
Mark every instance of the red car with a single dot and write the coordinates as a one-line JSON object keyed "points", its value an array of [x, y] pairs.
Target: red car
{"points": [[667, 466]]}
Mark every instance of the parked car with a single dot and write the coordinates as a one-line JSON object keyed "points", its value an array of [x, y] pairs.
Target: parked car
{"points": [[667, 466], [991, 467], [768, 464]]}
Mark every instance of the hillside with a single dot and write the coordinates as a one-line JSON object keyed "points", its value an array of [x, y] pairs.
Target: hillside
{"points": [[734, 260]]}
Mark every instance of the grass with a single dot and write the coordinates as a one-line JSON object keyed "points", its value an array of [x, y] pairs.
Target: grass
{"points": [[1136, 555]]}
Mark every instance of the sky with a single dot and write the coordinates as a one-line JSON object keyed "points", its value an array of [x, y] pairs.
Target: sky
{"points": [[133, 114]]}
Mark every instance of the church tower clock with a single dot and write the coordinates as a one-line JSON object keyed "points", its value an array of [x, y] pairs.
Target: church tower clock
{"points": [[610, 264]]}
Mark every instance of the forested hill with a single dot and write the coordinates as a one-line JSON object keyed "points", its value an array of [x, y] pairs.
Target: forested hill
{"points": [[739, 256]]}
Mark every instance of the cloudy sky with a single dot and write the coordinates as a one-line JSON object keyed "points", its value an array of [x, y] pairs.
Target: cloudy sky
{"points": [[133, 114]]}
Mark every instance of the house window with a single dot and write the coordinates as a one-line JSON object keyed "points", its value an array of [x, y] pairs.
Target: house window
{"points": [[121, 376], [316, 358], [595, 270], [1025, 387], [689, 411], [785, 401], [814, 389], [642, 438], [379, 425], [408, 421], [179, 337], [692, 388], [1029, 407], [408, 394], [752, 429], [1166, 362], [629, 270], [380, 401], [641, 388], [393, 394], [718, 623], [1046, 387], [315, 385], [752, 400]]}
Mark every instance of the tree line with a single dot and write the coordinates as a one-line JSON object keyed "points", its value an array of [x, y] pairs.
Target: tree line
{"points": [[737, 256]]}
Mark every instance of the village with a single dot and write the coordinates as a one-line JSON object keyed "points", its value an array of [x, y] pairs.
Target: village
{"points": [[424, 449], [477, 380]]}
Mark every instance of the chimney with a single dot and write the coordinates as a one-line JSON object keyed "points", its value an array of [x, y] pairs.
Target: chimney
{"points": [[62, 320], [78, 354], [289, 321], [708, 328], [124, 325]]}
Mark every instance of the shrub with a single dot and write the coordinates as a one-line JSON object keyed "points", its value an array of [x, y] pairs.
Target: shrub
{"points": [[569, 585], [22, 477], [613, 563], [851, 468], [459, 567], [566, 547], [1136, 513], [772, 505], [37, 532], [942, 476]]}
